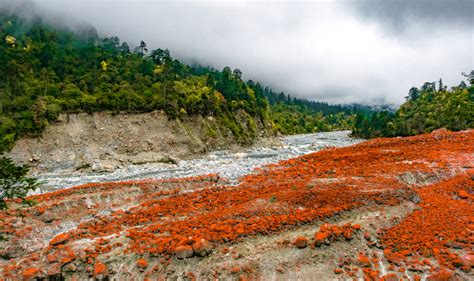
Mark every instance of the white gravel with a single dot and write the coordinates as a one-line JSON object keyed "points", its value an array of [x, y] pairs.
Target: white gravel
{"points": [[227, 164]]}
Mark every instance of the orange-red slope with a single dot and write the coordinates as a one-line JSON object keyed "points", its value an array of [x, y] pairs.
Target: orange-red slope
{"points": [[280, 196]]}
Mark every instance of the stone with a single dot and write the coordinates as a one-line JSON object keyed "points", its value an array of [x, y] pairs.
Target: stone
{"points": [[54, 272], [142, 264], [301, 242], [184, 252], [442, 275], [30, 273], [347, 235], [320, 238], [363, 261], [389, 277], [51, 258], [202, 247], [367, 236], [60, 239], [100, 271], [468, 260], [463, 194]]}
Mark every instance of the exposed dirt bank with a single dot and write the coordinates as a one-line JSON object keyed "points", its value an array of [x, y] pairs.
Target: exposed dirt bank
{"points": [[228, 163], [397, 208], [104, 142]]}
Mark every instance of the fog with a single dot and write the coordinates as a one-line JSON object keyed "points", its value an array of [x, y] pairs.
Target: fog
{"points": [[335, 51]]}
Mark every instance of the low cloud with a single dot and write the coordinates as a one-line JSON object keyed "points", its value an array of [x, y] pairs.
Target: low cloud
{"points": [[334, 51], [401, 16]]}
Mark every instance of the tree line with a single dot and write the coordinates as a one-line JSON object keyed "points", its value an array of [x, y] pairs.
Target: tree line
{"points": [[48, 70], [426, 108]]}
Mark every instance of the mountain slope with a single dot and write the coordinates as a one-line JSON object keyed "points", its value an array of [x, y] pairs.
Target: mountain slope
{"points": [[49, 70], [425, 110]]}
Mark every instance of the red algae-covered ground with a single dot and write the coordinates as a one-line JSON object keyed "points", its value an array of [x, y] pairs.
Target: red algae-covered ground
{"points": [[398, 208]]}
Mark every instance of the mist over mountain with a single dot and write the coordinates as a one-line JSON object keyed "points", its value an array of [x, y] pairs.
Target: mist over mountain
{"points": [[334, 51]]}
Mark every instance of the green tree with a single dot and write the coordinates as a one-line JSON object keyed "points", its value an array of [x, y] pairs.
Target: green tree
{"points": [[142, 49], [470, 77], [13, 182], [425, 110]]}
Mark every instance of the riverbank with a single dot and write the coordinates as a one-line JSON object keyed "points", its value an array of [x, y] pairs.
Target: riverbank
{"points": [[230, 163], [349, 212], [103, 142]]}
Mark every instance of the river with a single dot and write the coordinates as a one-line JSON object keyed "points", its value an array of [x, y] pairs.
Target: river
{"points": [[227, 164]]}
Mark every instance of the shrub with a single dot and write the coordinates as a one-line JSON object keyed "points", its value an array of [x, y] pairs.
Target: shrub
{"points": [[13, 182]]}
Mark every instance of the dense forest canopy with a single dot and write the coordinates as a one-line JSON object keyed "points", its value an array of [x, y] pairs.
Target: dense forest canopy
{"points": [[427, 108], [48, 70]]}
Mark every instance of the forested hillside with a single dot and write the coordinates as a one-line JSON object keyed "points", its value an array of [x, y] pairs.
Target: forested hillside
{"points": [[297, 116], [48, 70], [426, 108], [291, 115]]}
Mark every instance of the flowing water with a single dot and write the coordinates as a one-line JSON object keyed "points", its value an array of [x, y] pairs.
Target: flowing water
{"points": [[230, 165]]}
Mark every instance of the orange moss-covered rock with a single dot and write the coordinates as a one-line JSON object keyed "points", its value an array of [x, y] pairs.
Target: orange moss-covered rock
{"points": [[389, 277], [164, 217], [328, 233], [356, 227], [320, 238], [363, 260], [30, 273], [60, 239], [101, 271], [142, 264], [442, 275], [371, 274], [338, 271], [347, 234], [183, 252], [202, 247], [301, 242], [463, 194], [51, 258], [441, 215]]}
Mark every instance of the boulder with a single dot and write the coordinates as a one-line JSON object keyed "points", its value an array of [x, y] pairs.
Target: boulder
{"points": [[363, 261], [100, 271], [347, 234], [442, 275], [463, 194], [389, 277], [184, 252], [301, 242], [30, 273], [320, 238], [60, 239], [202, 247], [142, 264], [51, 258]]}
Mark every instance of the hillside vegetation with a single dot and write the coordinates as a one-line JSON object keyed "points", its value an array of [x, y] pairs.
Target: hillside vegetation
{"points": [[425, 110], [49, 70]]}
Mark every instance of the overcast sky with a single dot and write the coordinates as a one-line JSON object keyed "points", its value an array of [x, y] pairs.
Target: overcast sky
{"points": [[365, 51]]}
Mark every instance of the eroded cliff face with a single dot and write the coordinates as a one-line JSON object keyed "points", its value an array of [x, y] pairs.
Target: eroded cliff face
{"points": [[103, 141]]}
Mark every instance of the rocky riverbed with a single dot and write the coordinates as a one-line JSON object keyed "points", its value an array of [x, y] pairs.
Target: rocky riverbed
{"points": [[229, 164], [343, 213]]}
